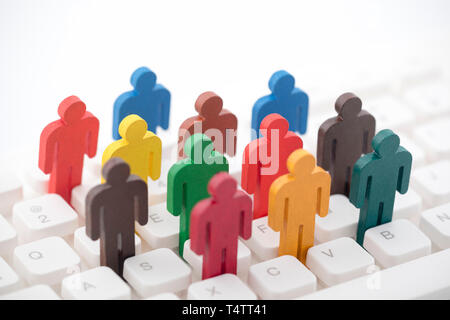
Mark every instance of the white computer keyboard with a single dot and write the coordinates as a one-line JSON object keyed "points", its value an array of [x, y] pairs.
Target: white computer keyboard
{"points": [[45, 253]]}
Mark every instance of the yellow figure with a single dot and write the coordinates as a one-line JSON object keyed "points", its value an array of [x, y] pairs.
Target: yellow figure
{"points": [[294, 200], [140, 148]]}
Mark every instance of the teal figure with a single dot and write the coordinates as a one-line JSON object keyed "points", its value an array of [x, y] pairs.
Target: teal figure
{"points": [[376, 178], [187, 180]]}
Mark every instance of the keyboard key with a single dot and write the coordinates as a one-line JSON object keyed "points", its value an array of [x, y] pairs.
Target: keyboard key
{"points": [[407, 205], [432, 183], [341, 221], [244, 258], [423, 278], [36, 179], [264, 242], [89, 250], [46, 261], [435, 223], [8, 237], [224, 287], [338, 261], [157, 271], [162, 228], [45, 216], [157, 189], [9, 280], [38, 292], [433, 136], [164, 296], [10, 192], [284, 277], [390, 113], [430, 100], [396, 242], [79, 193], [96, 284]]}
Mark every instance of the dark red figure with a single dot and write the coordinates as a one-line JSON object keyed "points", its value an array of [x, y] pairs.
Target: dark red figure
{"points": [[64, 143], [216, 224]]}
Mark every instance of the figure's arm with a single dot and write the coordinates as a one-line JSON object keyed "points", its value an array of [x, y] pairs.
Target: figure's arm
{"points": [[278, 203], [94, 206], [323, 191], [249, 173], [199, 225], [326, 144], [175, 190], [155, 156], [303, 112], [245, 215], [404, 173], [360, 180], [48, 146], [91, 134], [368, 124], [138, 188], [164, 107]]}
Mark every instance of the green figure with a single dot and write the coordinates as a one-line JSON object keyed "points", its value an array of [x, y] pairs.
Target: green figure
{"points": [[376, 177], [187, 181]]}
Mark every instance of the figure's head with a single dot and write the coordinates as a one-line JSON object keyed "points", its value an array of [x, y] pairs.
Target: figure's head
{"points": [[115, 171], [272, 122], [143, 79], [385, 143], [198, 147], [71, 109], [222, 186], [281, 83], [301, 163], [348, 105], [133, 128], [208, 104]]}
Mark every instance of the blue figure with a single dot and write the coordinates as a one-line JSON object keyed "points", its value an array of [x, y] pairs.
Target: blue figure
{"points": [[376, 177], [286, 100], [148, 100]]}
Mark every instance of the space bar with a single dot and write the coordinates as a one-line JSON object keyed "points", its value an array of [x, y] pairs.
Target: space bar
{"points": [[424, 278]]}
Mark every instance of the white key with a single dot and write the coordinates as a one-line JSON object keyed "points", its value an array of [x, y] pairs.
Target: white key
{"points": [[423, 278], [435, 223], [264, 242], [78, 199], [396, 242], [162, 228], [429, 100], [8, 237], [164, 296], [338, 261], [96, 284], [89, 250], [418, 153], [45, 261], [157, 190], [341, 220], [390, 113], [407, 205], [224, 287], [45, 216], [432, 183], [244, 258], [281, 278], [36, 179], [9, 280], [433, 136], [157, 271], [10, 192], [38, 292]]}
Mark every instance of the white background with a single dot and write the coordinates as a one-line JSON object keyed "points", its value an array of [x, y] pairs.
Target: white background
{"points": [[52, 49]]}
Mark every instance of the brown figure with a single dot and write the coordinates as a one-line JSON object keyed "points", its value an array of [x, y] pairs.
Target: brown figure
{"points": [[218, 124], [112, 208], [343, 139]]}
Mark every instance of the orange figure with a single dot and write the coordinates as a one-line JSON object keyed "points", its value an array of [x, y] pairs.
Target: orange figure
{"points": [[294, 200]]}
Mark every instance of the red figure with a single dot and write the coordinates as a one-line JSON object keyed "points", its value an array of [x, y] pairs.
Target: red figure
{"points": [[63, 144], [216, 224], [265, 160]]}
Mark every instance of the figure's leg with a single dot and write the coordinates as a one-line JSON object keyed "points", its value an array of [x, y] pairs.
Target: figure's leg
{"points": [[212, 262], [128, 249], [368, 218], [76, 175], [388, 209], [230, 257], [289, 239], [184, 231], [340, 179], [306, 240], [109, 252], [59, 182], [260, 201]]}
